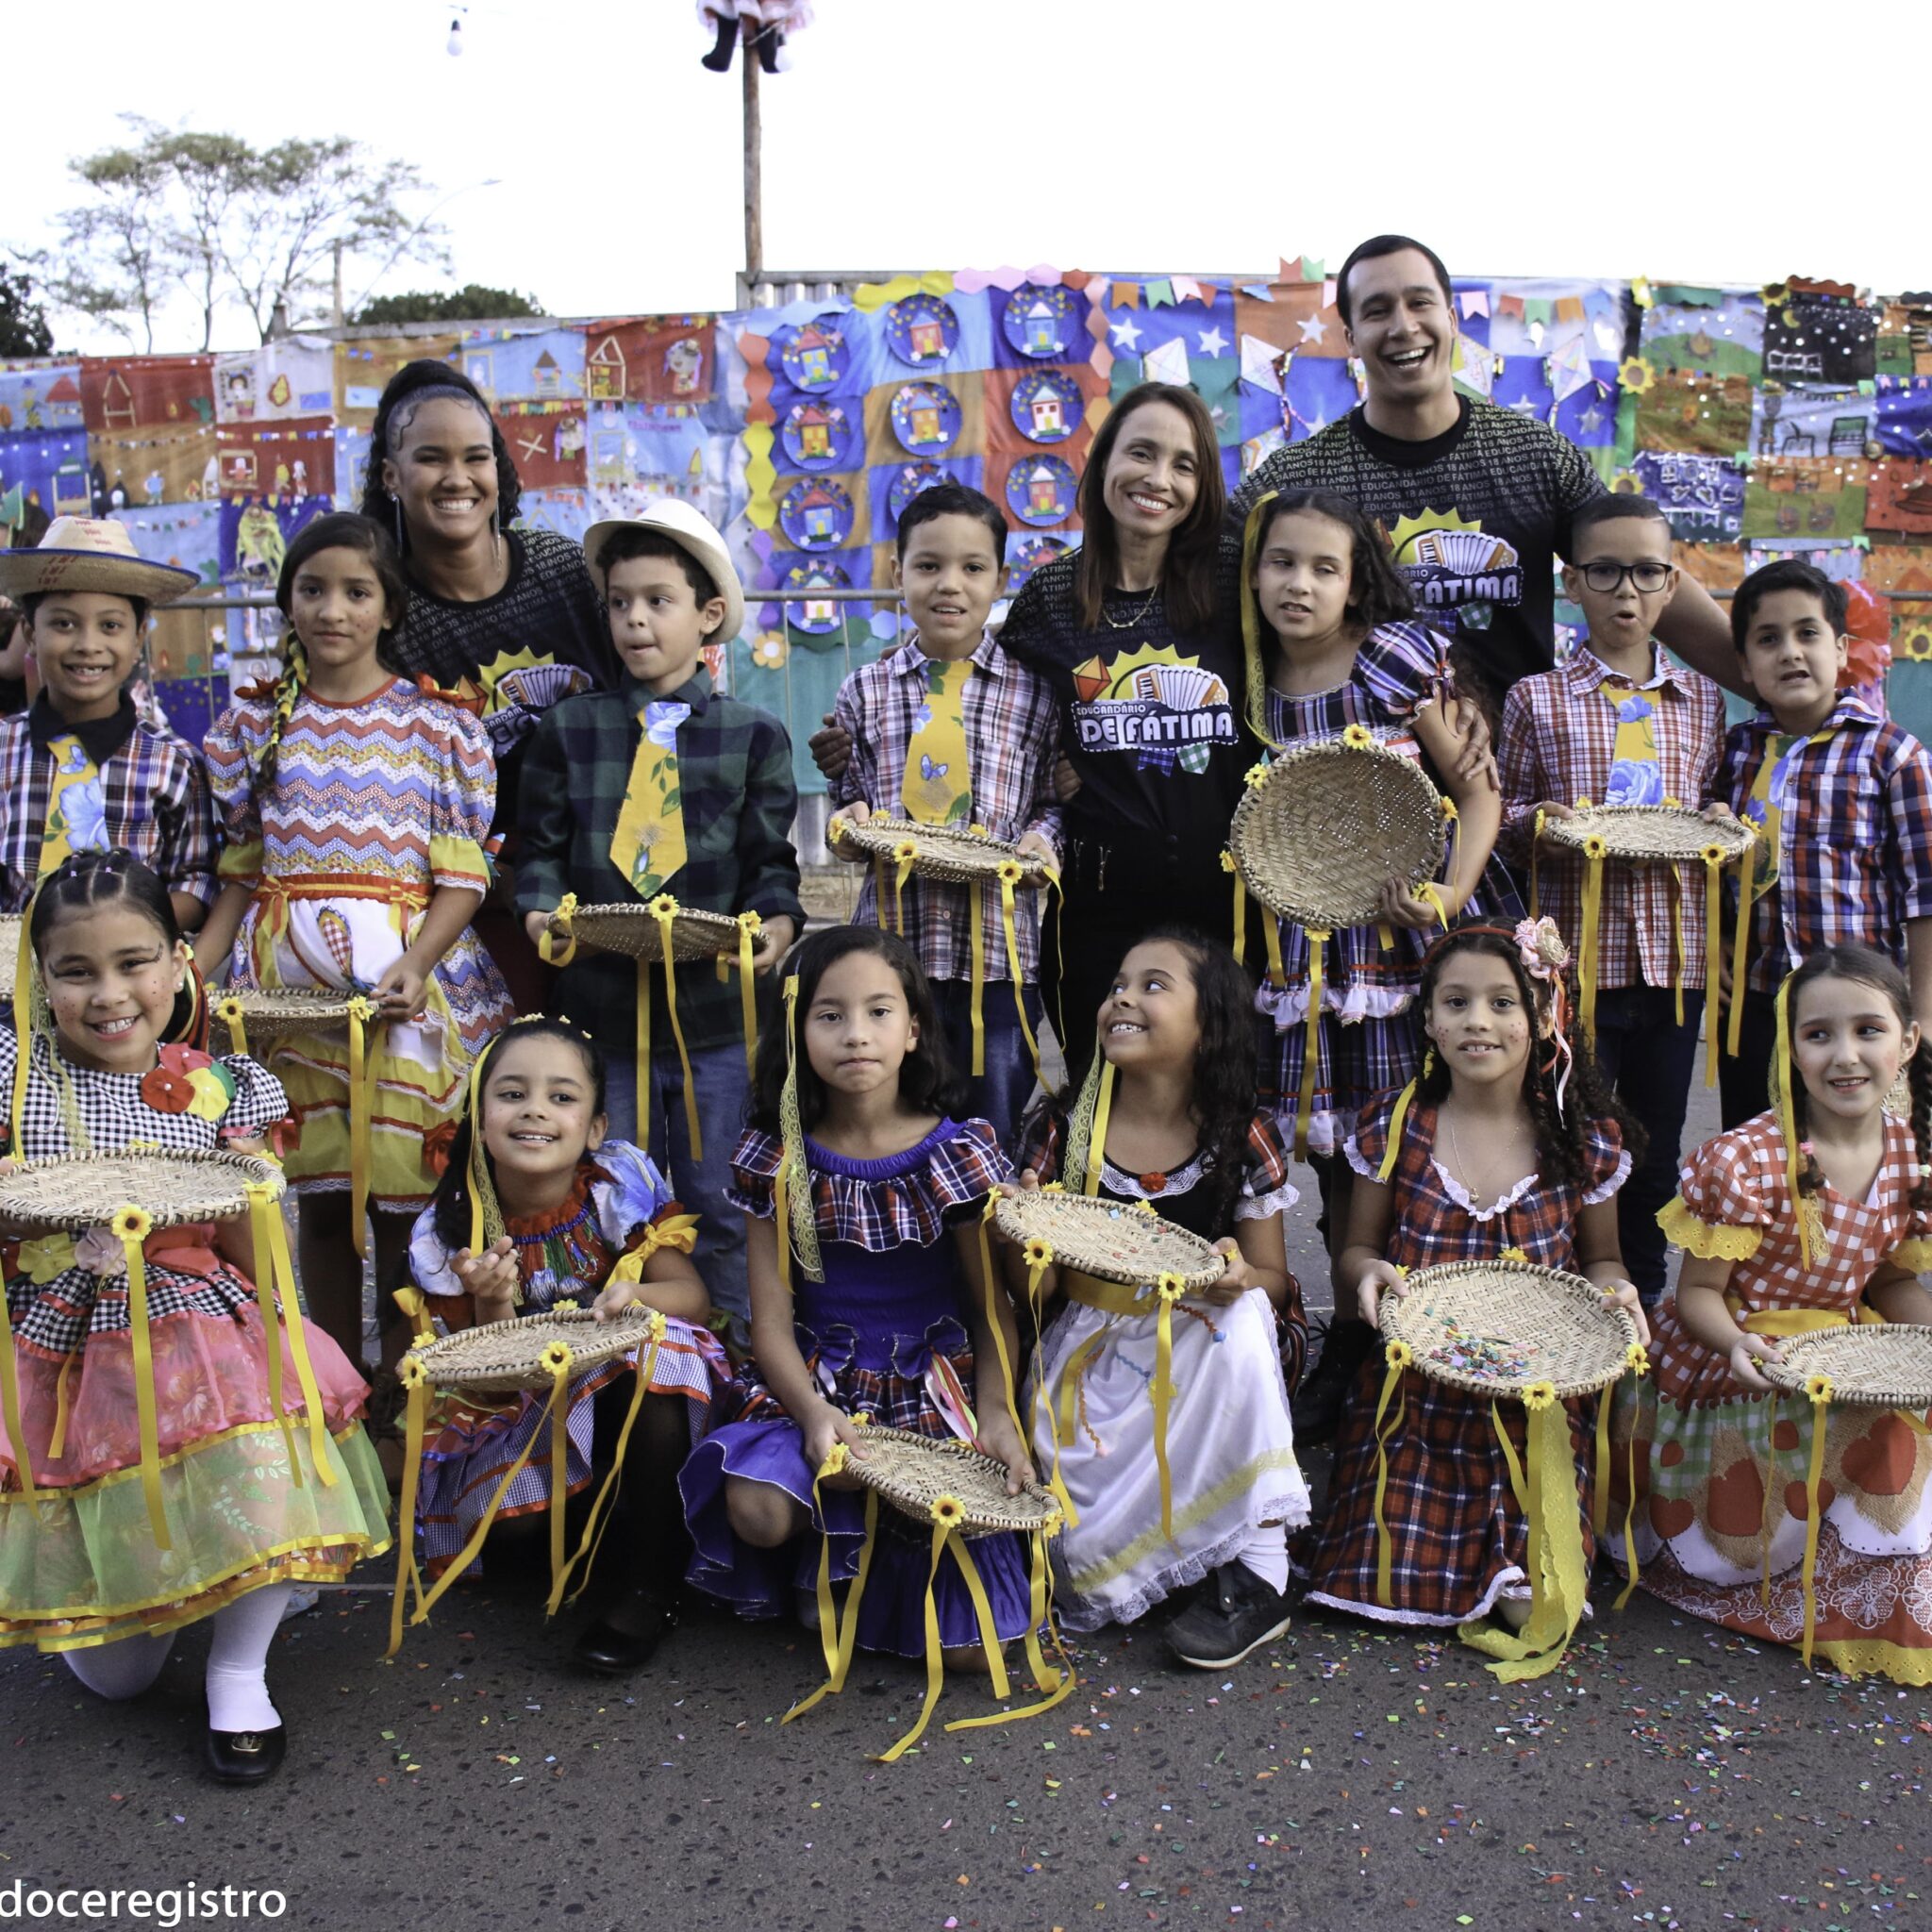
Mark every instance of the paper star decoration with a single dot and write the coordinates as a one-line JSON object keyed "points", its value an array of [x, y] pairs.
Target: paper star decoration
{"points": [[1314, 329], [1125, 333], [1592, 419], [1213, 343]]}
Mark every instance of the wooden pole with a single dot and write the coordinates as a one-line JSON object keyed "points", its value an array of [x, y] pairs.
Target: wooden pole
{"points": [[754, 216]]}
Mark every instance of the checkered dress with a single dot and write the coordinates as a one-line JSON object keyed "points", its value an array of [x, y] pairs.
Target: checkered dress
{"points": [[564, 1255], [1367, 1038], [1459, 1539], [54, 1301]]}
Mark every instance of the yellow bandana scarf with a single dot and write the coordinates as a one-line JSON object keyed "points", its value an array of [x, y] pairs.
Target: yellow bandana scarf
{"points": [[648, 845], [936, 789], [77, 812]]}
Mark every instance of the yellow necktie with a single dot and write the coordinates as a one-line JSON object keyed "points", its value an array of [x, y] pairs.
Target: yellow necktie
{"points": [[648, 845], [77, 812], [1636, 776], [1765, 810], [936, 789]]}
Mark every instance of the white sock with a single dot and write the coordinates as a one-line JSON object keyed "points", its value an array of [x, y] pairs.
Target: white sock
{"points": [[122, 1669], [1266, 1554], [238, 1698]]}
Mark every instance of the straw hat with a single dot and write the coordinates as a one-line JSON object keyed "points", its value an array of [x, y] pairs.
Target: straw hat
{"points": [[92, 554], [691, 532]]}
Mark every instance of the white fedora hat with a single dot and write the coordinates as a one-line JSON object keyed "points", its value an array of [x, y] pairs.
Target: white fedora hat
{"points": [[691, 531]]}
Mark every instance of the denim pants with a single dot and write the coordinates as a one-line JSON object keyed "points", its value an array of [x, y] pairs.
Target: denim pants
{"points": [[1000, 1094], [1745, 1083], [722, 1085], [1650, 1061]]}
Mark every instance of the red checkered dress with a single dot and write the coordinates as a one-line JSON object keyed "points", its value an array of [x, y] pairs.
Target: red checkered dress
{"points": [[1459, 1539]]}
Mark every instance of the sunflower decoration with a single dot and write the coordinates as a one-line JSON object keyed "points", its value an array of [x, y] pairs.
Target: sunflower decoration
{"points": [[1626, 483], [1774, 294], [1637, 376], [769, 650]]}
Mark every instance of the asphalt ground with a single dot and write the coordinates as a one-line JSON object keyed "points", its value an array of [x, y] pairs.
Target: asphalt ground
{"points": [[1667, 1774]]}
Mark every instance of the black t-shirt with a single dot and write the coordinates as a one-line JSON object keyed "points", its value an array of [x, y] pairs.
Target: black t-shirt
{"points": [[1477, 517], [1150, 721]]}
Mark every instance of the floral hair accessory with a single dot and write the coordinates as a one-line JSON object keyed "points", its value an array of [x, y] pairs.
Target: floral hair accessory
{"points": [[1545, 957]]}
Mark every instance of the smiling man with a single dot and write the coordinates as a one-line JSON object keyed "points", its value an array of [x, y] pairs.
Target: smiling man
{"points": [[1476, 498]]}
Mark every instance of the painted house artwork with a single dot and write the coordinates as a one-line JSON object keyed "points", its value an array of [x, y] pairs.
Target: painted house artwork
{"points": [[928, 337], [814, 432], [544, 367], [927, 424], [1049, 417], [813, 350], [818, 516], [604, 370], [1044, 491], [1042, 329]]}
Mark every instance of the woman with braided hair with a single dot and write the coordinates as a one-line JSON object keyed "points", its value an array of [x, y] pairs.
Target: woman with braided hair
{"points": [[357, 810]]}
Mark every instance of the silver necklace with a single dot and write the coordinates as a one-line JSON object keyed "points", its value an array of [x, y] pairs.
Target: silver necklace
{"points": [[1138, 617]]}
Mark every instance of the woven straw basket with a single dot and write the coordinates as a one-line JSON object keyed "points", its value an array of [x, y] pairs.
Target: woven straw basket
{"points": [[1649, 834], [1103, 1239], [70, 1192], [267, 1014], [1874, 1367], [12, 932], [942, 851], [1317, 836], [631, 928], [1499, 1327], [507, 1355], [912, 1472]]}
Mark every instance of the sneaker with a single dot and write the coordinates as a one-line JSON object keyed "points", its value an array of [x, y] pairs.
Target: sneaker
{"points": [[1318, 1403], [1237, 1614]]}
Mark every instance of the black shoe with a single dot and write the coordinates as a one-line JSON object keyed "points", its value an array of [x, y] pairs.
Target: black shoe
{"points": [[1239, 1613], [245, 1758], [614, 1648], [719, 58], [1317, 1405]]}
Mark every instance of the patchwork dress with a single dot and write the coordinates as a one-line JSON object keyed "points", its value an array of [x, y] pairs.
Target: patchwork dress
{"points": [[618, 1195], [1230, 1444], [375, 806], [1367, 1038], [883, 1334], [1459, 1538], [1722, 1500], [244, 1502]]}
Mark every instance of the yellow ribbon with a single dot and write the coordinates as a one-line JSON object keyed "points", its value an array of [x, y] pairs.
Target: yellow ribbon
{"points": [[1318, 938], [749, 924], [1428, 890], [797, 1224], [1593, 851], [283, 1266], [642, 1074], [1256, 674], [261, 1206], [1788, 1115], [1056, 1683], [978, 942], [559, 952], [1638, 1364], [1536, 839], [1009, 873], [1713, 857], [415, 1380], [1393, 1151], [362, 1107], [415, 1304], [132, 1227], [1240, 910], [904, 855], [57, 1443], [23, 1016], [878, 891], [946, 1516], [1738, 948], [663, 910], [1398, 1355], [229, 1013], [1096, 1144], [1271, 941], [1819, 1391]]}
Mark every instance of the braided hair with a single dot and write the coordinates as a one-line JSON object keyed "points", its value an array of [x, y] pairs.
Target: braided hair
{"points": [[341, 530], [1864, 967], [449, 1206], [1562, 1145], [409, 389]]}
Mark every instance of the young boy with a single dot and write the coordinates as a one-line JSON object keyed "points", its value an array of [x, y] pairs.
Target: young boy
{"points": [[1619, 723], [79, 771], [948, 728], [1843, 801], [666, 786]]}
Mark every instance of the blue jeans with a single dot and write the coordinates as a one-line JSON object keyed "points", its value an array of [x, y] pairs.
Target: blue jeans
{"points": [[1650, 1061], [721, 1083], [1000, 1094]]}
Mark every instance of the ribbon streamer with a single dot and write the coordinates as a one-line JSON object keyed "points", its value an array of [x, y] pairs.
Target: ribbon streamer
{"points": [[1010, 874], [1593, 852], [664, 910], [749, 925], [132, 1227], [415, 1380], [362, 1107], [1819, 1391], [1713, 960], [1318, 938], [562, 950], [1399, 1355]]}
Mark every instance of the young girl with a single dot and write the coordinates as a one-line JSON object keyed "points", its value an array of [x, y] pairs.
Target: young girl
{"points": [[572, 1206], [887, 1315], [356, 809], [1327, 623], [1808, 1217], [248, 1509], [1167, 1117], [1503, 1147]]}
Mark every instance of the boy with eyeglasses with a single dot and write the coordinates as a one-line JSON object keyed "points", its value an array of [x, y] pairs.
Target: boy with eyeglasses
{"points": [[1619, 723]]}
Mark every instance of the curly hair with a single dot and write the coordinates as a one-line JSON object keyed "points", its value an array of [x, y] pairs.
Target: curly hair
{"points": [[1865, 967], [1562, 1143], [409, 389], [928, 1082]]}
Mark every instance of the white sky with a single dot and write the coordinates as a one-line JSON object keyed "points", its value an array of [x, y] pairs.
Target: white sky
{"points": [[1203, 134]]}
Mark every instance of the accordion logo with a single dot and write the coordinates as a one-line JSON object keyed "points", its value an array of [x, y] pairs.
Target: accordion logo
{"points": [[1164, 708], [1454, 566]]}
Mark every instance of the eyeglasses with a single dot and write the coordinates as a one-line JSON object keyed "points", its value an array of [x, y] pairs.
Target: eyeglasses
{"points": [[1605, 577]]}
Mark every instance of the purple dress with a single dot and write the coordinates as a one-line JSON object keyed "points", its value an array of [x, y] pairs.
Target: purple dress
{"points": [[873, 1333]]}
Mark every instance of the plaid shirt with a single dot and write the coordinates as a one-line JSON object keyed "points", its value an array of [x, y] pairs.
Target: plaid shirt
{"points": [[1855, 845], [734, 766], [153, 787], [1012, 736], [1559, 730]]}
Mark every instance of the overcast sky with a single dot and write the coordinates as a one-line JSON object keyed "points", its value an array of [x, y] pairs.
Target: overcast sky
{"points": [[1204, 135]]}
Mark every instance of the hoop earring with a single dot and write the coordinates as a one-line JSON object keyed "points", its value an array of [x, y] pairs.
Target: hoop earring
{"points": [[397, 504]]}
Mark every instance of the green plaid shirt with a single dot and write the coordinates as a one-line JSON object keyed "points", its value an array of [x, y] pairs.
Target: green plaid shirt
{"points": [[734, 768]]}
